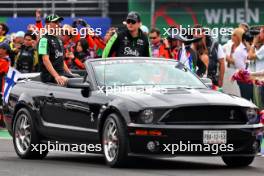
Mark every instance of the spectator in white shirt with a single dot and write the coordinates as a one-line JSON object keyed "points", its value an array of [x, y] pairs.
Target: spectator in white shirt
{"points": [[258, 56], [238, 54], [238, 59]]}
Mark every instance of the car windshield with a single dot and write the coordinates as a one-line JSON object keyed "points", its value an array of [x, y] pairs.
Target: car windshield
{"points": [[168, 74]]}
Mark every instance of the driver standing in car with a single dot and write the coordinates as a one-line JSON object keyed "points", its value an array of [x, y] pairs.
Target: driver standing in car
{"points": [[130, 41], [50, 48]]}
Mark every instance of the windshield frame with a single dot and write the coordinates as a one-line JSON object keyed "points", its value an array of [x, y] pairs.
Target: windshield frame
{"points": [[93, 62]]}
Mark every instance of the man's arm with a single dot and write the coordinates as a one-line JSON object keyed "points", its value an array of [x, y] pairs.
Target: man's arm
{"points": [[257, 74], [221, 71], [43, 50], [49, 67], [38, 19], [148, 50], [66, 68], [230, 60], [221, 61], [252, 53], [61, 80], [110, 46], [251, 49], [35, 62]]}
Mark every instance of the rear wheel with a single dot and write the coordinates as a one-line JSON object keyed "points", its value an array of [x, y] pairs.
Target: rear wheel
{"points": [[238, 161], [114, 141], [25, 136]]}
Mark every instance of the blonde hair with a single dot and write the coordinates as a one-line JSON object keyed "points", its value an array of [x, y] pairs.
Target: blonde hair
{"points": [[239, 33]]}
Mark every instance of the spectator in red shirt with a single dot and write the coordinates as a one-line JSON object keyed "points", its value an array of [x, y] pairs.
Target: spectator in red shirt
{"points": [[4, 61], [4, 66], [159, 47]]}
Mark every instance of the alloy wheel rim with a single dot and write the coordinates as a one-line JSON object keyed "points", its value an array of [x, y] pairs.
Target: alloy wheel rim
{"points": [[110, 140], [22, 134]]}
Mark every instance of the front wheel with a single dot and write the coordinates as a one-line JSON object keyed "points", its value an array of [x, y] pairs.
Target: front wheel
{"points": [[114, 141], [25, 136], [238, 161]]}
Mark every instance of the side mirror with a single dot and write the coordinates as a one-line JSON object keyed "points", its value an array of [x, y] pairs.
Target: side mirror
{"points": [[207, 81], [77, 83]]}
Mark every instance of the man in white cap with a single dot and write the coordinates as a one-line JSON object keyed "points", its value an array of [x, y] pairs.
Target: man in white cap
{"points": [[18, 41]]}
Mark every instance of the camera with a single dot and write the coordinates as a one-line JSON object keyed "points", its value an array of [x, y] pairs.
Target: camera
{"points": [[80, 22], [250, 34]]}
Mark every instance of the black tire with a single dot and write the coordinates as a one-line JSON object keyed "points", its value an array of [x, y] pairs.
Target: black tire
{"points": [[32, 136], [120, 159], [238, 161]]}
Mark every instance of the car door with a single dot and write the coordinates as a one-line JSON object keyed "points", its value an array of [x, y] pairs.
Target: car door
{"points": [[69, 111]]}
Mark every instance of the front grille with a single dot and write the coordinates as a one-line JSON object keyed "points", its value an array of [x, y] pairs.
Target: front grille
{"points": [[205, 115]]}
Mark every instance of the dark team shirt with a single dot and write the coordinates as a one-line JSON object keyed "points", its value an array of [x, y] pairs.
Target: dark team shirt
{"points": [[123, 44], [26, 61], [52, 46]]}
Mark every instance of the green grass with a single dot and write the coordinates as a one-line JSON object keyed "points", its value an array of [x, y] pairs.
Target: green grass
{"points": [[4, 134]]}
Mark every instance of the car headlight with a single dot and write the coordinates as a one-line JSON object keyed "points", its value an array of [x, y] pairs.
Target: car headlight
{"points": [[252, 115], [147, 116]]}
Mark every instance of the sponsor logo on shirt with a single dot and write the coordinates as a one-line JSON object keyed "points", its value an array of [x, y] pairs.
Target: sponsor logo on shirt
{"points": [[58, 54], [130, 52], [140, 42]]}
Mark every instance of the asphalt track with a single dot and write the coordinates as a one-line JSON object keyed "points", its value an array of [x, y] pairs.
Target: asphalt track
{"points": [[75, 164]]}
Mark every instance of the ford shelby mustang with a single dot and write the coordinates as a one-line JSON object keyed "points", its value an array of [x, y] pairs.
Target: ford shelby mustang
{"points": [[134, 106]]}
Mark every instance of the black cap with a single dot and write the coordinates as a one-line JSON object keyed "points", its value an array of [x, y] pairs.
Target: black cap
{"points": [[5, 46], [187, 39], [53, 18], [133, 16]]}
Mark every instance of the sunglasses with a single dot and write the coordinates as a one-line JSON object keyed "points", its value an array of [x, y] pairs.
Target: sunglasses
{"points": [[27, 39], [131, 21], [152, 38]]}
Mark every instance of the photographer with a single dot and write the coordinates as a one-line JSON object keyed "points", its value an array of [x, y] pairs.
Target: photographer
{"points": [[256, 53]]}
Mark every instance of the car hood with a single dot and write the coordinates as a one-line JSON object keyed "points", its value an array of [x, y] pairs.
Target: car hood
{"points": [[183, 97]]}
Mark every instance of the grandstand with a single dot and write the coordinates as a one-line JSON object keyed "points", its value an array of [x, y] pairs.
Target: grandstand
{"points": [[115, 9]]}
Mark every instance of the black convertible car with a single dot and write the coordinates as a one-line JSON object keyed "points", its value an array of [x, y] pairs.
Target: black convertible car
{"points": [[133, 106]]}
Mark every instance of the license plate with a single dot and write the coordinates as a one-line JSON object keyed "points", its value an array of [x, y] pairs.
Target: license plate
{"points": [[214, 136]]}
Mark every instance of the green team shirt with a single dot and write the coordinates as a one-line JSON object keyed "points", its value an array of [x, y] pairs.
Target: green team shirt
{"points": [[53, 47]]}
